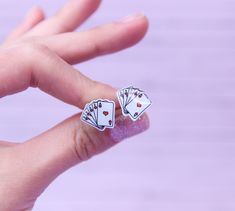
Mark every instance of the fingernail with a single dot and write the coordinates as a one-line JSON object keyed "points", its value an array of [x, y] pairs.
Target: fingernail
{"points": [[131, 17], [125, 127]]}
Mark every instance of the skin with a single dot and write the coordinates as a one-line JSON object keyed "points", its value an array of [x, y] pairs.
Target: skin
{"points": [[42, 52]]}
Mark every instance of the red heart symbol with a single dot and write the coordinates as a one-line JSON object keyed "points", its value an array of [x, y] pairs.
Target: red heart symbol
{"points": [[139, 105], [105, 113]]}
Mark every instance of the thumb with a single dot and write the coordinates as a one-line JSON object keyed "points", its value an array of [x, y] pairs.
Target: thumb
{"points": [[48, 155]]}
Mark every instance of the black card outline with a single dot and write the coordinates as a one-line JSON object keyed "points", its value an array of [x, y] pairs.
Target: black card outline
{"points": [[113, 111], [142, 112]]}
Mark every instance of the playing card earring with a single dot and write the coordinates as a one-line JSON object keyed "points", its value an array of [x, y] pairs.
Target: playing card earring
{"points": [[134, 102], [99, 114]]}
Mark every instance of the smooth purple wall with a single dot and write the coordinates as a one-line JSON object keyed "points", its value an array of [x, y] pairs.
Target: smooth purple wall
{"points": [[186, 161]]}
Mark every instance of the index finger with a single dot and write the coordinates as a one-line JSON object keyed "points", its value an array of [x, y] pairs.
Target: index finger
{"points": [[37, 66]]}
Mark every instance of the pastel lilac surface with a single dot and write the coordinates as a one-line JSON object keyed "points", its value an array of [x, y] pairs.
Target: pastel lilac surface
{"points": [[186, 161]]}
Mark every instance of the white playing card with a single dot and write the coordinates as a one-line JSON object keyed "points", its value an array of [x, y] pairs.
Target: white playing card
{"points": [[120, 95], [95, 107], [88, 117], [88, 120], [127, 93], [138, 105], [123, 95], [106, 113], [90, 111], [134, 92]]}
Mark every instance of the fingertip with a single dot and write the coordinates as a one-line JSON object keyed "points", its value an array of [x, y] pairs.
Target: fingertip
{"points": [[92, 3], [96, 3], [142, 26], [89, 141], [36, 12], [132, 29], [39, 12], [138, 26], [126, 128], [99, 91], [144, 21]]}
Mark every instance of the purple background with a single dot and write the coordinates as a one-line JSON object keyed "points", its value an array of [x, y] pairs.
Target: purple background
{"points": [[186, 161]]}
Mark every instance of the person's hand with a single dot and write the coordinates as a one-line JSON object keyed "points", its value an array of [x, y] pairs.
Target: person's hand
{"points": [[40, 53]]}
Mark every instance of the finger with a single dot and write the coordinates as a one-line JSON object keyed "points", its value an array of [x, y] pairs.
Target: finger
{"points": [[37, 66], [35, 16], [64, 146], [6, 144], [73, 14], [110, 38]]}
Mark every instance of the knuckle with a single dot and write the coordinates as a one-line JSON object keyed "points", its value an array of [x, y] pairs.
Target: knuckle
{"points": [[59, 23], [89, 142], [35, 49], [85, 146], [31, 54], [96, 49], [26, 50], [64, 27]]}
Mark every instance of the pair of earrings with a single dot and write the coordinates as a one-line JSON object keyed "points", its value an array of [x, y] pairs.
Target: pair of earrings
{"points": [[101, 113]]}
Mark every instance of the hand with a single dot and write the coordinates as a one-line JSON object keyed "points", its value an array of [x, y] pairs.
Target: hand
{"points": [[40, 53]]}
